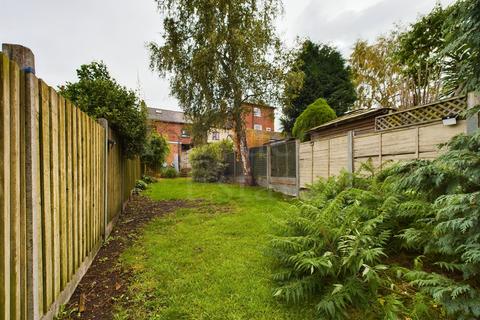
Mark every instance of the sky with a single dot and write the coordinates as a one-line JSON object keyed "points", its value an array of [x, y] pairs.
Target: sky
{"points": [[63, 34]]}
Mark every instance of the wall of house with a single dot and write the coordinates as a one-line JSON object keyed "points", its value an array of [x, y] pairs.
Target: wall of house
{"points": [[266, 120], [173, 133]]}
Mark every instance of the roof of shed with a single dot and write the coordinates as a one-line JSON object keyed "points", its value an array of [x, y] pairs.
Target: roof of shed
{"points": [[166, 115], [352, 116]]}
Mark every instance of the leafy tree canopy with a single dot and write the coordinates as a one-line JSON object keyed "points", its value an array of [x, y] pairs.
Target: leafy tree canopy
{"points": [[100, 96], [462, 69], [316, 114], [419, 55], [377, 75], [219, 54], [326, 75]]}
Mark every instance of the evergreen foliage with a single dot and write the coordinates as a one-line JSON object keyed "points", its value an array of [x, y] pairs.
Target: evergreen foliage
{"points": [[316, 114], [169, 173], [155, 151], [101, 96], [208, 161], [325, 74], [401, 243]]}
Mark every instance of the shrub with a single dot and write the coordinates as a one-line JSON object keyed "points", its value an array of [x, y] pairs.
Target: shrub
{"points": [[394, 244], [169, 173], [140, 184], [155, 151], [208, 161], [314, 115], [101, 96], [148, 179]]}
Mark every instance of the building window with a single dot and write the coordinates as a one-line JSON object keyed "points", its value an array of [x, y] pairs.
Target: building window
{"points": [[216, 136], [268, 129], [257, 127], [185, 133], [257, 112]]}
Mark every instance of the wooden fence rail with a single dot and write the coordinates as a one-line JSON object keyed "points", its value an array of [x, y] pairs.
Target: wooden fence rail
{"points": [[61, 186]]}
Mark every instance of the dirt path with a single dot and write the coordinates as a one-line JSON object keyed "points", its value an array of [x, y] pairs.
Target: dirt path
{"points": [[106, 281]]}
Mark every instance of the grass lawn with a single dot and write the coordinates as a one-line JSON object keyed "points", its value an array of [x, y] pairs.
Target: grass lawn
{"points": [[207, 262]]}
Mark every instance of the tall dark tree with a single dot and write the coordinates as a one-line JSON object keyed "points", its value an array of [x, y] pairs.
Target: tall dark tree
{"points": [[219, 54], [325, 75]]}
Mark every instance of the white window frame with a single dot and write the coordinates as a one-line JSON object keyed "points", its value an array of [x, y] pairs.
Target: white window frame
{"points": [[268, 129], [257, 127], [215, 136], [257, 112]]}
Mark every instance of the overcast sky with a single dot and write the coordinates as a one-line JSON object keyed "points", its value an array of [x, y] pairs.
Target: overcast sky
{"points": [[63, 34]]}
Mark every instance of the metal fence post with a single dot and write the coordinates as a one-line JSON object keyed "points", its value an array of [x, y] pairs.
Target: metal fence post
{"points": [[269, 165]]}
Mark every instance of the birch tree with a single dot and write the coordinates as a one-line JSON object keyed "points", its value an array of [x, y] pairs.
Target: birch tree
{"points": [[219, 54]]}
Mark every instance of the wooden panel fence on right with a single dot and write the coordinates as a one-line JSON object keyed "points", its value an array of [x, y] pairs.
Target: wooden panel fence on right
{"points": [[328, 155]]}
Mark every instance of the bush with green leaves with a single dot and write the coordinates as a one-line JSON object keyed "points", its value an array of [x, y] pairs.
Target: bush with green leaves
{"points": [[208, 161], [402, 243], [169, 173], [101, 96], [141, 185], [155, 151], [316, 114], [148, 179]]}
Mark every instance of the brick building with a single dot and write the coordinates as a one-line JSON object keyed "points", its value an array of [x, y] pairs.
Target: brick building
{"points": [[173, 126], [259, 123]]}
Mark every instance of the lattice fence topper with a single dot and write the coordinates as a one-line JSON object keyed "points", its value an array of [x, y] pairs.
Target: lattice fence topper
{"points": [[422, 114]]}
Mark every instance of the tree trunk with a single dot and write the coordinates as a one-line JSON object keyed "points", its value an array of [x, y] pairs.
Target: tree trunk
{"points": [[242, 150], [241, 142]]}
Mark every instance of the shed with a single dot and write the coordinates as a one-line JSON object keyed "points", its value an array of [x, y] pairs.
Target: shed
{"points": [[358, 121]]}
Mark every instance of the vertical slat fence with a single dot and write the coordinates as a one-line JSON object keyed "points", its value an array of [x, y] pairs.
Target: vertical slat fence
{"points": [[53, 188]]}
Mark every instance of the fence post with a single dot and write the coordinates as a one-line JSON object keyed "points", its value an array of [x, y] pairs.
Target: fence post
{"points": [[269, 165], [473, 100], [350, 151], [29, 101], [297, 166], [104, 123], [23, 56]]}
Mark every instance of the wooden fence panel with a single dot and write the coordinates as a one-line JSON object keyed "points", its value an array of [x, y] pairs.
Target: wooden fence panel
{"points": [[52, 194], [331, 155], [399, 142], [321, 159], [306, 164], [431, 136], [338, 155]]}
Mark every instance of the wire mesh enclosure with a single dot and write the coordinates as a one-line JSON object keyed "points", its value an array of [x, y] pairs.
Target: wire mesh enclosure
{"points": [[284, 160], [258, 159]]}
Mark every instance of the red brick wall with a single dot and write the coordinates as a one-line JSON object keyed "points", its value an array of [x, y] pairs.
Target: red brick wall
{"points": [[173, 133], [266, 120]]}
